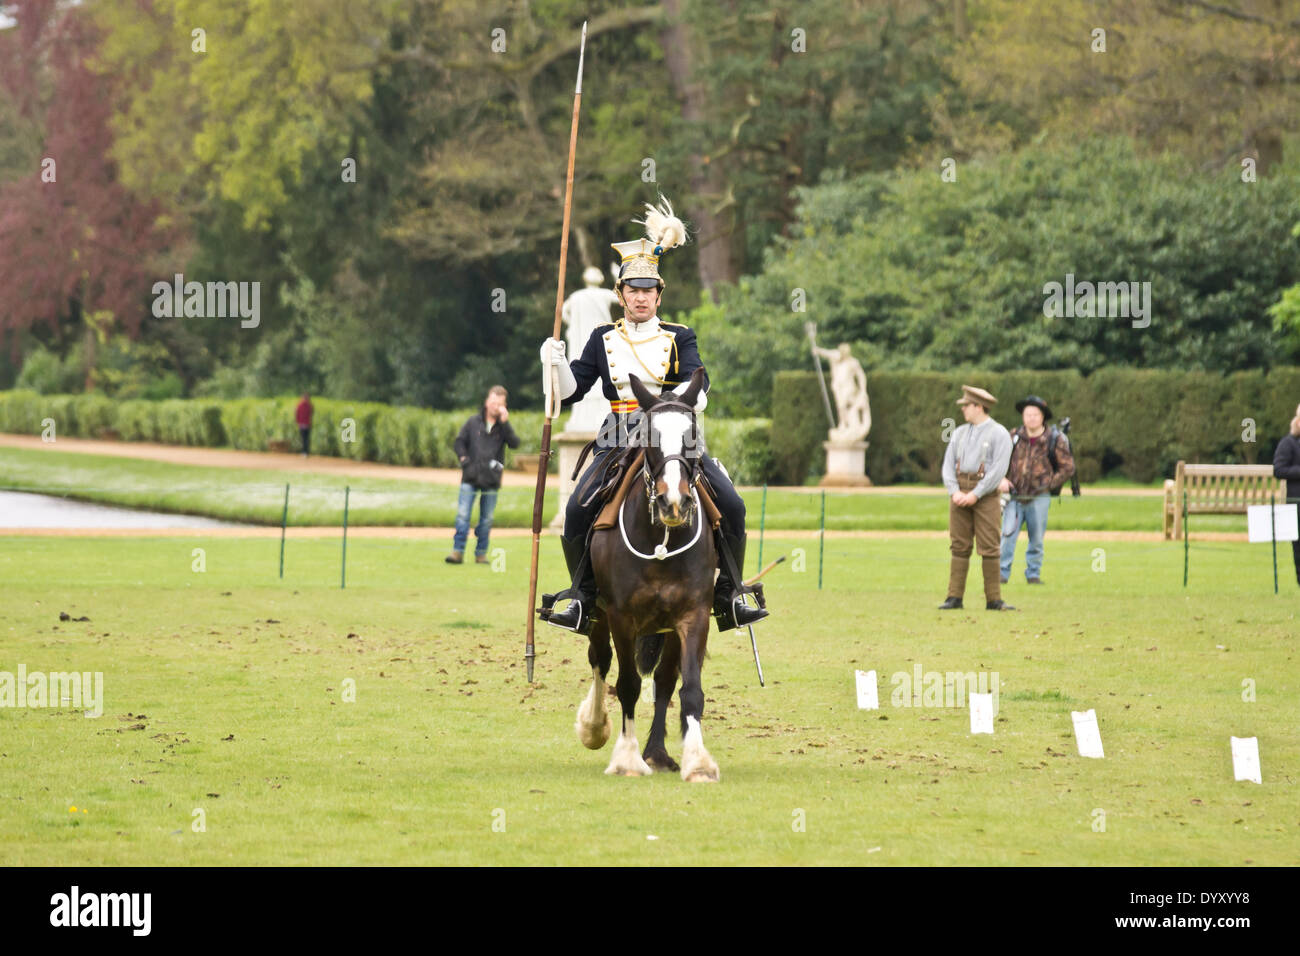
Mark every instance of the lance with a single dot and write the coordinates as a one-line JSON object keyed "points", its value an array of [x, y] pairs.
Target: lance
{"points": [[552, 393], [811, 329]]}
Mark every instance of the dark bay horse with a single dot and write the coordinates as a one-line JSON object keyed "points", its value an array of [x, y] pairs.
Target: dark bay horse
{"points": [[654, 571]]}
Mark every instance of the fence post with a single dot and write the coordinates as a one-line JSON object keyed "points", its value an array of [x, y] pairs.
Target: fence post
{"points": [[821, 545], [1184, 537], [284, 518], [343, 580], [1272, 522]]}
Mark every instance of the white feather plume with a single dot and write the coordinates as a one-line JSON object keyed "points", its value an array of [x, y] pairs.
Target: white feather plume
{"points": [[662, 227]]}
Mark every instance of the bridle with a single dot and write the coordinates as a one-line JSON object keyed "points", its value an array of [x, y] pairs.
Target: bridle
{"points": [[690, 465], [691, 507]]}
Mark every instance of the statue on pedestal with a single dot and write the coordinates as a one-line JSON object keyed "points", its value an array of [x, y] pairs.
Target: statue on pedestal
{"points": [[846, 446], [849, 384], [582, 312]]}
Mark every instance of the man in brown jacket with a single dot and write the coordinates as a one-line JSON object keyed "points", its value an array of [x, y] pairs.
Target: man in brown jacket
{"points": [[1040, 466]]}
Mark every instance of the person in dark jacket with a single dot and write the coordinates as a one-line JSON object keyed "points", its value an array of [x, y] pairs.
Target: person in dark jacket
{"points": [[1286, 464], [480, 446]]}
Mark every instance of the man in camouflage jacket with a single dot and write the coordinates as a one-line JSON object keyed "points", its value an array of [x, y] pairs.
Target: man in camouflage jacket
{"points": [[1031, 481]]}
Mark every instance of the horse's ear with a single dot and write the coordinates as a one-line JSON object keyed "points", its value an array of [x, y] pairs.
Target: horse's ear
{"points": [[693, 390], [643, 396]]}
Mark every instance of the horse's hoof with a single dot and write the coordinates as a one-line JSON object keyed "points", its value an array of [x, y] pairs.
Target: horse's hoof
{"points": [[626, 760], [638, 769], [628, 772], [660, 762], [593, 738], [703, 775]]}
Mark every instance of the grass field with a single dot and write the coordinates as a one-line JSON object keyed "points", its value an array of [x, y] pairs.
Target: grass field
{"points": [[225, 688], [257, 496]]}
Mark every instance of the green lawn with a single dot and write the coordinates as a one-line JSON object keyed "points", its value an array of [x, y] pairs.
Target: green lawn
{"points": [[224, 693], [258, 496]]}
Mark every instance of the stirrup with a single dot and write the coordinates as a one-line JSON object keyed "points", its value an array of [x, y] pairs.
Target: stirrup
{"points": [[581, 623], [739, 614]]}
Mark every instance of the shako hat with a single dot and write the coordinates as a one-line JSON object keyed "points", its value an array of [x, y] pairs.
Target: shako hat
{"points": [[639, 258]]}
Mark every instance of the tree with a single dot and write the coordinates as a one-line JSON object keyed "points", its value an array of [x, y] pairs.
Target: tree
{"points": [[1212, 80], [921, 274], [74, 245], [229, 100]]}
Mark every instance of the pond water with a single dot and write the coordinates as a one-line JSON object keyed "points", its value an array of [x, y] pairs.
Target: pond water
{"points": [[20, 509]]}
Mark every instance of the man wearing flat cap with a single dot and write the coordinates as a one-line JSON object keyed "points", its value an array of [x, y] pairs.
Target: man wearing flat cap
{"points": [[1040, 465], [973, 468]]}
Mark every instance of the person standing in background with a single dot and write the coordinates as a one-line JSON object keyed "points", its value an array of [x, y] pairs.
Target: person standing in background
{"points": [[1040, 466], [1286, 464], [304, 423], [480, 446], [973, 467]]}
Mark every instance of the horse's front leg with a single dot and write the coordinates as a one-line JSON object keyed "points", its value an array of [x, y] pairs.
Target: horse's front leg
{"points": [[593, 724], [697, 764], [626, 760], [665, 683]]}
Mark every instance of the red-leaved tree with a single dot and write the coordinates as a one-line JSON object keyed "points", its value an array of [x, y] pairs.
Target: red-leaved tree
{"points": [[75, 246]]}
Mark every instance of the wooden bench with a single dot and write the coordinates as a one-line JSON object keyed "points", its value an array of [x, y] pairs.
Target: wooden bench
{"points": [[1218, 490]]}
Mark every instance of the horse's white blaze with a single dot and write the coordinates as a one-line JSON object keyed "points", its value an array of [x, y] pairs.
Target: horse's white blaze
{"points": [[593, 724], [697, 763], [626, 759], [671, 428]]}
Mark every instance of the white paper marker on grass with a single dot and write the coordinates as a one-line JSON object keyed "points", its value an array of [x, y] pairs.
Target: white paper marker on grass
{"points": [[1245, 759], [1280, 525], [1086, 734], [981, 713], [867, 696]]}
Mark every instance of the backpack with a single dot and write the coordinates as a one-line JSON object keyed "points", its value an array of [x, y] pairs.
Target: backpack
{"points": [[1053, 435]]}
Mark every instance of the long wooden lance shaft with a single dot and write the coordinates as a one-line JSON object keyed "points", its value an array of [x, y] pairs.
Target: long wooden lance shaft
{"points": [[553, 398]]}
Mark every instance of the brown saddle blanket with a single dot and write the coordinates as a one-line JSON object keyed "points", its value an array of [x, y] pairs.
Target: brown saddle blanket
{"points": [[608, 516]]}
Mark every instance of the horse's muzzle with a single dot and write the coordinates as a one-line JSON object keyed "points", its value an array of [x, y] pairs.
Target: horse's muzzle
{"points": [[674, 516]]}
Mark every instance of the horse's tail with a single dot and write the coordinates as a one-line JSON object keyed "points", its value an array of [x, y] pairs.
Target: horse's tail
{"points": [[648, 649]]}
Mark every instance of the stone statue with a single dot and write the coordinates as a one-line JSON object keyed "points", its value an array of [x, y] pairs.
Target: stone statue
{"points": [[849, 385], [582, 312]]}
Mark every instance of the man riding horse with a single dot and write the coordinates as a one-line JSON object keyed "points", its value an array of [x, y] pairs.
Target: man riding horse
{"points": [[663, 356]]}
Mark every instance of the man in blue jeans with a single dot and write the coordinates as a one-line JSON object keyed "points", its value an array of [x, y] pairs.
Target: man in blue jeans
{"points": [[480, 446], [1040, 465]]}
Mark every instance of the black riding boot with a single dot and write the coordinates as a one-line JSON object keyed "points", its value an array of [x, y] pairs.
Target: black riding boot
{"points": [[582, 595], [729, 609]]}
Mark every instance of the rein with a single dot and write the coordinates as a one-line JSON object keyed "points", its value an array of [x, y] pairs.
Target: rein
{"points": [[661, 551]]}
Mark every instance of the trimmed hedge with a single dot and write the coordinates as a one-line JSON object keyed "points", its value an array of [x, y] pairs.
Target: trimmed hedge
{"points": [[1132, 422], [395, 435], [1136, 423], [799, 418]]}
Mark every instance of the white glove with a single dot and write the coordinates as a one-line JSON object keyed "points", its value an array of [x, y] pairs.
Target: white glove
{"points": [[552, 355]]}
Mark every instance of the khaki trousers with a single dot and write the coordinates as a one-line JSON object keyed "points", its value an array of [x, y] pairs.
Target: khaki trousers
{"points": [[978, 527]]}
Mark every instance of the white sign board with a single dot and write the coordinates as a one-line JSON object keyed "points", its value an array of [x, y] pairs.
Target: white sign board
{"points": [[981, 713], [867, 694], [1086, 734], [1282, 526], [1245, 759]]}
